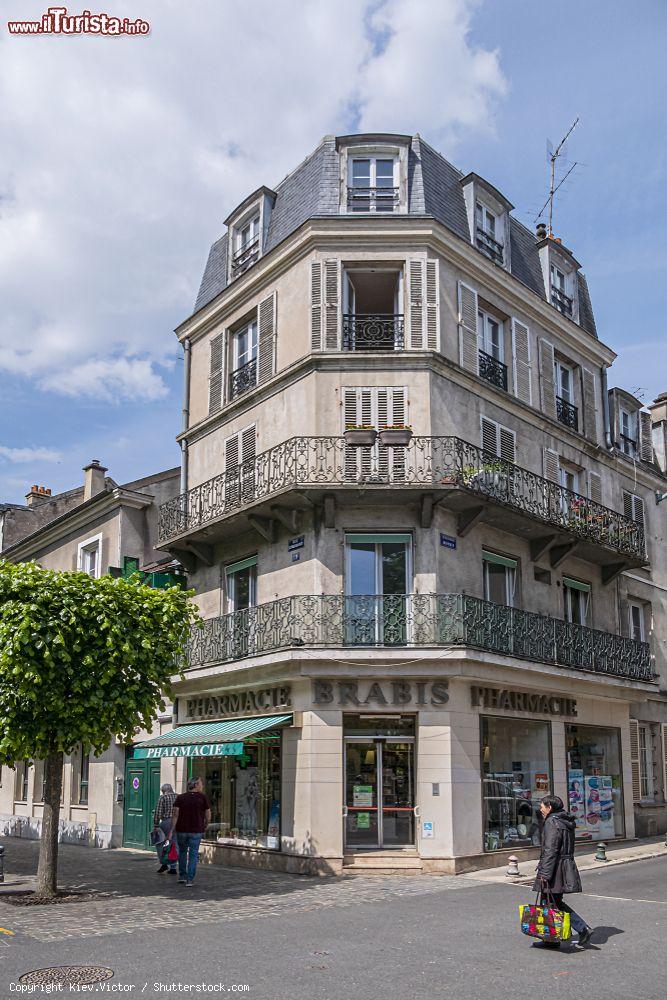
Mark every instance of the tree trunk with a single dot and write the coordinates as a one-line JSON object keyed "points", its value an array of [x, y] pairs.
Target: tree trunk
{"points": [[47, 869]]}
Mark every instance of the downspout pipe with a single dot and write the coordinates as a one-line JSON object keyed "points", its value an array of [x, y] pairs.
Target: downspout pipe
{"points": [[605, 410], [185, 422]]}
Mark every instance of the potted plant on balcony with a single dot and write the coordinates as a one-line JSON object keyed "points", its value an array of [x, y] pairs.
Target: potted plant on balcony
{"points": [[396, 435], [360, 435]]}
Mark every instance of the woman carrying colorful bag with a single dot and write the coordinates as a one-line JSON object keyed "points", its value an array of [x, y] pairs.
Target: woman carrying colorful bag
{"points": [[557, 874]]}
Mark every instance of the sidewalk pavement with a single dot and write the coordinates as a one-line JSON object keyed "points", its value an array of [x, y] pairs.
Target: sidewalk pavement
{"points": [[649, 847]]}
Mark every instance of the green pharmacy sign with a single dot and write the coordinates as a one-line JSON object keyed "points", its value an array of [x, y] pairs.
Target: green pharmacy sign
{"points": [[190, 750]]}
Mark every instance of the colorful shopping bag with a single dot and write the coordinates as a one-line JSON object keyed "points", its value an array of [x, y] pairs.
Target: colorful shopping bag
{"points": [[544, 922]]}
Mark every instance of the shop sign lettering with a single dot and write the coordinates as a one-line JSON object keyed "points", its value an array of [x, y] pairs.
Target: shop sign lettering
{"points": [[522, 701], [253, 702], [190, 750], [390, 693]]}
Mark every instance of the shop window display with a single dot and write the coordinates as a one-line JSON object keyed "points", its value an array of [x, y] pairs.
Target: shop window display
{"points": [[516, 774], [244, 793], [595, 785]]}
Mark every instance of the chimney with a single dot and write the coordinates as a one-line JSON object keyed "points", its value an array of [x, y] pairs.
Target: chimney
{"points": [[36, 494], [94, 481], [658, 410]]}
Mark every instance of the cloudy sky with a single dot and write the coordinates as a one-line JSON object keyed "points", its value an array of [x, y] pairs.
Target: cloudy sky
{"points": [[122, 156]]}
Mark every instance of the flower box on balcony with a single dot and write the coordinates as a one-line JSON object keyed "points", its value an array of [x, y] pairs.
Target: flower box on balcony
{"points": [[396, 436], [360, 437]]}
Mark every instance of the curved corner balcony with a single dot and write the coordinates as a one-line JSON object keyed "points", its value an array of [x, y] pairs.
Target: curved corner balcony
{"points": [[417, 620], [307, 472]]}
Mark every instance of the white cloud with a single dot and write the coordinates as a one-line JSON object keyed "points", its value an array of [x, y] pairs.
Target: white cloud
{"points": [[122, 156], [29, 454]]}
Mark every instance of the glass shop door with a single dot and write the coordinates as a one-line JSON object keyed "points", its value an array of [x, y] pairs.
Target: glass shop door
{"points": [[379, 793]]}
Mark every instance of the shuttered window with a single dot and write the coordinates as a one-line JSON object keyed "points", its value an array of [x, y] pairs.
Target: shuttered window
{"points": [[589, 404], [332, 285], [595, 487], [215, 380], [267, 338], [316, 305], [633, 507], [547, 381], [416, 283], [424, 308], [468, 351], [374, 406], [498, 440], [240, 466], [634, 760], [522, 372], [645, 437], [551, 465]]}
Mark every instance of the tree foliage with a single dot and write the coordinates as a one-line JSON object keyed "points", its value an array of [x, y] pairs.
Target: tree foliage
{"points": [[83, 660]]}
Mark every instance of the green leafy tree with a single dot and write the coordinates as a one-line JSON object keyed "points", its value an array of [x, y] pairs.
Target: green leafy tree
{"points": [[81, 661]]}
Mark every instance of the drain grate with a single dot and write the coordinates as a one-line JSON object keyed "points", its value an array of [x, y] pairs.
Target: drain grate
{"points": [[67, 975]]}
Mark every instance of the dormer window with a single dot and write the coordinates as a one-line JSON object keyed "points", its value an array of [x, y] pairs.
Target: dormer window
{"points": [[486, 230], [372, 184], [627, 423], [559, 297], [246, 245]]}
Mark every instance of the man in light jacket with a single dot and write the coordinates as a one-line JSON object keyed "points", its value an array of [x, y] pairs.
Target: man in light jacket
{"points": [[557, 871]]}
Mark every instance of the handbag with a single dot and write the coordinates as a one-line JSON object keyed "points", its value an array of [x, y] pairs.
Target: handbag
{"points": [[545, 922]]}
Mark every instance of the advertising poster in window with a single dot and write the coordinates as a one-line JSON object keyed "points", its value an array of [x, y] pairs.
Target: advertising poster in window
{"points": [[577, 800], [599, 806]]}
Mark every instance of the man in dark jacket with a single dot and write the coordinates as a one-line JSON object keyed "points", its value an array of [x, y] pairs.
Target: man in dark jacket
{"points": [[557, 871]]}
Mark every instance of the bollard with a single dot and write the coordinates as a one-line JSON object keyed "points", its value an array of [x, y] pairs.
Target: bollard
{"points": [[513, 866], [601, 853], [2, 864]]}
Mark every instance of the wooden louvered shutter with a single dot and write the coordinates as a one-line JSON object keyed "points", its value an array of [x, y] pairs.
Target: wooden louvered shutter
{"points": [[232, 473], [547, 381], [628, 506], [468, 350], [267, 339], [316, 305], [332, 305], [590, 406], [368, 414], [638, 513], [391, 411], [645, 436], [595, 487], [248, 442], [521, 366], [634, 760], [432, 306], [663, 743], [215, 373], [489, 436], [416, 298], [507, 445], [551, 465]]}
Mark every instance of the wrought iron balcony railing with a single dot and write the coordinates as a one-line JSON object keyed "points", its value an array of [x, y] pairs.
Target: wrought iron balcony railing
{"points": [[490, 246], [243, 378], [415, 620], [429, 463], [373, 332], [567, 413], [372, 199], [492, 370], [561, 301], [244, 257]]}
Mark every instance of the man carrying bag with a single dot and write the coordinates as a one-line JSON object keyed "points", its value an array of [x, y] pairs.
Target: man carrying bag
{"points": [[557, 871]]}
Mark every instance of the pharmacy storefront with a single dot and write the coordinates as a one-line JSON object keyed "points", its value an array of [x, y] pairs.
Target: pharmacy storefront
{"points": [[309, 773]]}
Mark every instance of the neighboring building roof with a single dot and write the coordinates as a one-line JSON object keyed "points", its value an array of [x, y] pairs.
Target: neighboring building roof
{"points": [[434, 191]]}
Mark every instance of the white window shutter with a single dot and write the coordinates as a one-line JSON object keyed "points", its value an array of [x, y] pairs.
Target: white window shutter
{"points": [[266, 364], [634, 760], [215, 373], [489, 436], [398, 405], [416, 298], [248, 441], [468, 350], [551, 465], [350, 417], [332, 309], [507, 445], [232, 473], [316, 305], [645, 436], [432, 305], [590, 405], [595, 487], [521, 367], [547, 382]]}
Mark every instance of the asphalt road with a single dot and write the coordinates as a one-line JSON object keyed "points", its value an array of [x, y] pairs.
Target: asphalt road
{"points": [[365, 938]]}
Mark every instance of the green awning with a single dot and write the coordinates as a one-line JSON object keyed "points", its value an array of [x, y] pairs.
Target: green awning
{"points": [[577, 584], [493, 557], [208, 739]]}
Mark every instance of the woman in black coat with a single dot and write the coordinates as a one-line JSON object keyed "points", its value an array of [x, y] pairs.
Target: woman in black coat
{"points": [[557, 871]]}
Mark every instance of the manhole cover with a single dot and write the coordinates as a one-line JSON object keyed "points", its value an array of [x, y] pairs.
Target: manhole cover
{"points": [[67, 975]]}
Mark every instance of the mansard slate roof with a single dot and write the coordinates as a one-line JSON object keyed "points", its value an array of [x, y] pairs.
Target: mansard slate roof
{"points": [[434, 191]]}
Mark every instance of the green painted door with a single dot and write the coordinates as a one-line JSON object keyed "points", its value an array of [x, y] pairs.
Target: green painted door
{"points": [[142, 789]]}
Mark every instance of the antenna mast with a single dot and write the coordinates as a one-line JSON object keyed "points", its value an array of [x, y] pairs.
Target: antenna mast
{"points": [[553, 187]]}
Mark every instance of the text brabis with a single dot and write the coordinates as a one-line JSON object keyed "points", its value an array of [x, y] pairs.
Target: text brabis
{"points": [[380, 692]]}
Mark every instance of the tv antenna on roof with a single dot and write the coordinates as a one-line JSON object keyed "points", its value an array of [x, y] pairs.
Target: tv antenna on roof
{"points": [[553, 155]]}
